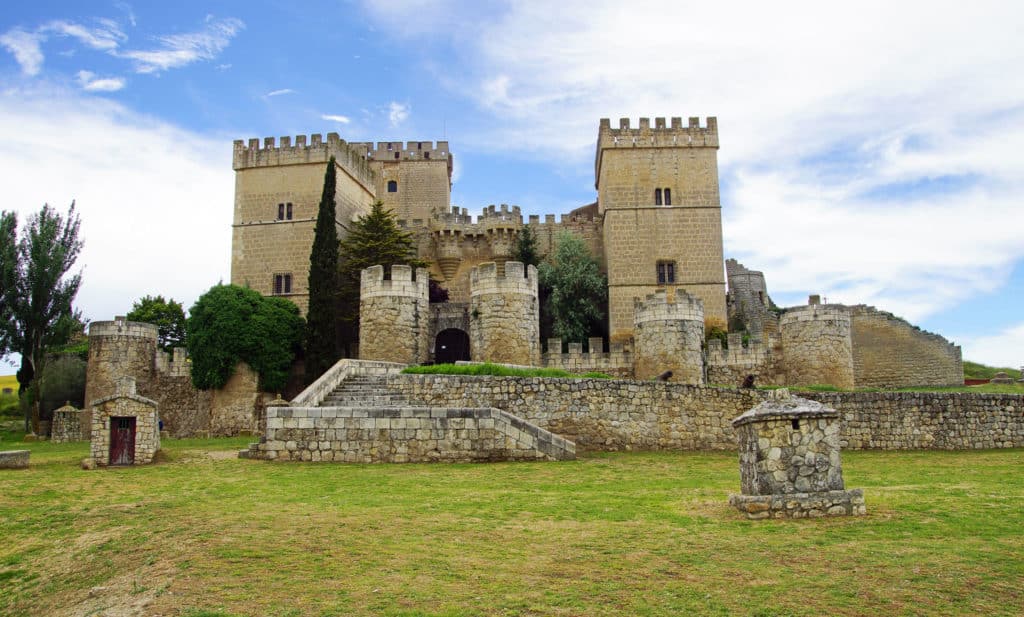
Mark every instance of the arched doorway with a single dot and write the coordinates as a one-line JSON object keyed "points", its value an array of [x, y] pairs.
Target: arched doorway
{"points": [[451, 345]]}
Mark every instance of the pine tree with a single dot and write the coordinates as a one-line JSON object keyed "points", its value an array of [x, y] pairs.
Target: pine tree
{"points": [[321, 324], [373, 239], [526, 249]]}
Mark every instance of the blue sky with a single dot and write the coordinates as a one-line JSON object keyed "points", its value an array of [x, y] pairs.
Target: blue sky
{"points": [[869, 152]]}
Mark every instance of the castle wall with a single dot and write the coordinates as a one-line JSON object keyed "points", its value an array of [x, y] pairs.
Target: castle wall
{"points": [[394, 315], [669, 336], [730, 366], [262, 245], [504, 314], [422, 172], [817, 346], [888, 352], [617, 361], [599, 414], [631, 164]]}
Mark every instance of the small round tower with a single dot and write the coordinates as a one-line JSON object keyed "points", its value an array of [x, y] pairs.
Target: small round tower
{"points": [[816, 345], [117, 349], [668, 337], [394, 315], [504, 315]]}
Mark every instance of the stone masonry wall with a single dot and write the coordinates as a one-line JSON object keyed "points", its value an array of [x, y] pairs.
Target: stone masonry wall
{"points": [[669, 336], [817, 346], [394, 315], [618, 361], [888, 352], [117, 349], [405, 435], [629, 415], [504, 323], [730, 366]]}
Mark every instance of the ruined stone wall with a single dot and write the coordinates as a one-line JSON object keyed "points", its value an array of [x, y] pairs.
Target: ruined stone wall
{"points": [[669, 336], [600, 414], [504, 313], [888, 352], [394, 315], [617, 361], [817, 346], [748, 300], [261, 244], [631, 163]]}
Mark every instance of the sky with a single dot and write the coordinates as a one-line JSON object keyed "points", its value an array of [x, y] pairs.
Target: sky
{"points": [[870, 151]]}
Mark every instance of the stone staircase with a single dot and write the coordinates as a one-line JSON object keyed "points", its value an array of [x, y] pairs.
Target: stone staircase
{"points": [[365, 391]]}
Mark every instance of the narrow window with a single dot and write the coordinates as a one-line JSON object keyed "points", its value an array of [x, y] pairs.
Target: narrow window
{"points": [[280, 212], [796, 424], [278, 284], [426, 155], [668, 197], [389, 147], [657, 197], [419, 145], [288, 212], [398, 155], [666, 271], [287, 283], [392, 186]]}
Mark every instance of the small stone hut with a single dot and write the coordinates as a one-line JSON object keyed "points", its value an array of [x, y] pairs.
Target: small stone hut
{"points": [[789, 461], [125, 427], [66, 425]]}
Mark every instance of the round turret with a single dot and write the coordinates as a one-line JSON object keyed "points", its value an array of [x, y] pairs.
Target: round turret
{"points": [[504, 323], [817, 347], [668, 337], [394, 315]]}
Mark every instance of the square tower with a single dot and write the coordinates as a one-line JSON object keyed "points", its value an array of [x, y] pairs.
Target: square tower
{"points": [[658, 194]]}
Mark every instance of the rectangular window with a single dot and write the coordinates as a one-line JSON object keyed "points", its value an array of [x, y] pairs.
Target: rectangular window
{"points": [[282, 284], [398, 155], [668, 197], [280, 212], [666, 272], [288, 214]]}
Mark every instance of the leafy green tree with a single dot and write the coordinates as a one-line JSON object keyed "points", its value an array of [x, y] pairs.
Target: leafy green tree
{"points": [[579, 292], [526, 249], [167, 315], [38, 292], [230, 324], [372, 239], [321, 323]]}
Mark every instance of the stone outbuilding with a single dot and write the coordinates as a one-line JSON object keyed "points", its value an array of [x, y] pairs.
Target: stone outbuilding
{"points": [[66, 424], [789, 461], [125, 427]]}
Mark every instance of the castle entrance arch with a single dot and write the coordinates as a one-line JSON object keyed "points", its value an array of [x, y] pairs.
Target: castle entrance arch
{"points": [[451, 345]]}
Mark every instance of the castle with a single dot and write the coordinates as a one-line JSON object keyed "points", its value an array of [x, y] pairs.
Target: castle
{"points": [[655, 229]]}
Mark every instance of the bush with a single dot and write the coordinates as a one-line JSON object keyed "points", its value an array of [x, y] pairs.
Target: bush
{"points": [[231, 324]]}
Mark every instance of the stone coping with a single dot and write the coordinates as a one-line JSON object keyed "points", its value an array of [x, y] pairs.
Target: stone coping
{"points": [[14, 459], [783, 406], [801, 505]]}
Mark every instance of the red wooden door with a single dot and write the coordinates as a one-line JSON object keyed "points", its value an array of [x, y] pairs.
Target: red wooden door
{"points": [[122, 441]]}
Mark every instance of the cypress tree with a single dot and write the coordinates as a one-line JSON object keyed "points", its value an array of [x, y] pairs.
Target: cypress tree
{"points": [[321, 328]]}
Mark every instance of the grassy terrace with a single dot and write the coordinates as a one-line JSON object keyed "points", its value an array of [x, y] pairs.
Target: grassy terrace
{"points": [[203, 533]]}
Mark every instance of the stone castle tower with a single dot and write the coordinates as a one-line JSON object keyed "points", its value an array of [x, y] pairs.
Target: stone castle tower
{"points": [[662, 218]]}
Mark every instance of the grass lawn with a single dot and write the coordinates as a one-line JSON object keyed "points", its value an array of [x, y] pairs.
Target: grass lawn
{"points": [[205, 534]]}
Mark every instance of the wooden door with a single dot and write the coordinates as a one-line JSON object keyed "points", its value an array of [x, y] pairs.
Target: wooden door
{"points": [[122, 441]]}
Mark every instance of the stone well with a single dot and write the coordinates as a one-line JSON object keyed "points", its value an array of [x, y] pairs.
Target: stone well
{"points": [[789, 461]]}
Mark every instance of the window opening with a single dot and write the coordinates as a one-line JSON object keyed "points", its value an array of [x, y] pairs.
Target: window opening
{"points": [[668, 197], [282, 284], [288, 212], [657, 197], [392, 186], [796, 424], [666, 272], [397, 155], [280, 212]]}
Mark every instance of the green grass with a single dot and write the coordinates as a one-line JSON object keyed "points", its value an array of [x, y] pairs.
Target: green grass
{"points": [[500, 370], [975, 370], [205, 534]]}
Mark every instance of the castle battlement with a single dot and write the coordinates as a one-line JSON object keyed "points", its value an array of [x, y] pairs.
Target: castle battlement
{"points": [[816, 312], [661, 136], [403, 282], [405, 151], [315, 150], [122, 327], [485, 279], [657, 307]]}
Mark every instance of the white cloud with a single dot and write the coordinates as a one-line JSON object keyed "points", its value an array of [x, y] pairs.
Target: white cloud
{"points": [[26, 48], [177, 50], [104, 37], [1004, 349], [398, 113], [155, 200], [280, 92], [91, 83], [336, 118]]}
